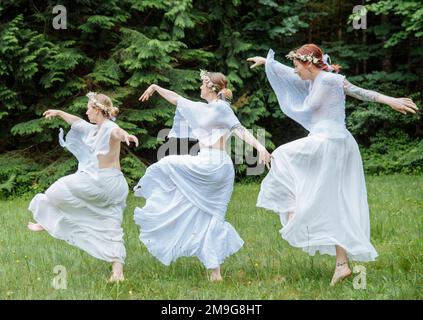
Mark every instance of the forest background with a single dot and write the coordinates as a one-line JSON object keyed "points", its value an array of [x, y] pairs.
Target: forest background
{"points": [[120, 47]]}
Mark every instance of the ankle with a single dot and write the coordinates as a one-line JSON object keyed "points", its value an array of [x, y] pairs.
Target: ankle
{"points": [[117, 267], [342, 264]]}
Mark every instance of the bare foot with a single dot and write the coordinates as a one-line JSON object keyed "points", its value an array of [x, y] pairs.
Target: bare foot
{"points": [[341, 272], [116, 278], [215, 275], [117, 273], [35, 226]]}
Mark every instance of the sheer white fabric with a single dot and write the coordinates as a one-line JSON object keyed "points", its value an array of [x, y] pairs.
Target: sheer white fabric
{"points": [[86, 208], [302, 100], [186, 202], [318, 178], [206, 122], [187, 196], [86, 141], [290, 90]]}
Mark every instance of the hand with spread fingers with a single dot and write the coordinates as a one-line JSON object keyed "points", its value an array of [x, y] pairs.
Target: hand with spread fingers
{"points": [[148, 93], [51, 113], [130, 138], [258, 61], [403, 105]]}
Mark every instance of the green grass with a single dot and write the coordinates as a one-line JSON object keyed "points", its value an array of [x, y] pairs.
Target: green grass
{"points": [[265, 268]]}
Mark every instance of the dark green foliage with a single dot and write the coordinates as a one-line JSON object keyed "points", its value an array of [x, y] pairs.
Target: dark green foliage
{"points": [[120, 47], [132, 168], [393, 151], [31, 171]]}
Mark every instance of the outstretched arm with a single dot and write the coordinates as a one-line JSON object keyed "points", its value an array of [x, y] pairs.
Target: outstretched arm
{"points": [[123, 136], [169, 95], [69, 118], [403, 105], [245, 135]]}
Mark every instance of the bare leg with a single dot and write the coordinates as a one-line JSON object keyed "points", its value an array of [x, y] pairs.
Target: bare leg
{"points": [[342, 270], [290, 216], [117, 272], [35, 226], [215, 275]]}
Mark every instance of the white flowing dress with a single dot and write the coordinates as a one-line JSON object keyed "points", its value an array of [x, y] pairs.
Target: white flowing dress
{"points": [[86, 208], [318, 178], [187, 196]]}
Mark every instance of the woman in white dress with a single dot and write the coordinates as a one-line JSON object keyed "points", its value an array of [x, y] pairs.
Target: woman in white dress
{"points": [[86, 208], [316, 184], [187, 196]]}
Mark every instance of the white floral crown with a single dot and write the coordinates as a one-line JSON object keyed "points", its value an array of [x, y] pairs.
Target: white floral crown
{"points": [[303, 57], [92, 97], [204, 75], [310, 58]]}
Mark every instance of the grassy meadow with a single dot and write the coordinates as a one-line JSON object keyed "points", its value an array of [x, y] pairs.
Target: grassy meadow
{"points": [[265, 268]]}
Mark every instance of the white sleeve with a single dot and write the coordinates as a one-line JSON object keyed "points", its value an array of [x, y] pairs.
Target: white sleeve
{"points": [[102, 144], [187, 117], [187, 106], [290, 90], [227, 117], [180, 127], [82, 126]]}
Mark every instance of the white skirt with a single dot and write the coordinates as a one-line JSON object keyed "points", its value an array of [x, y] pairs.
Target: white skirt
{"points": [[186, 202], [86, 212], [320, 180]]}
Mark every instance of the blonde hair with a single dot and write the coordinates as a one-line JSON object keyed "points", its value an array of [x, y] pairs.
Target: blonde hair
{"points": [[218, 83], [104, 104]]}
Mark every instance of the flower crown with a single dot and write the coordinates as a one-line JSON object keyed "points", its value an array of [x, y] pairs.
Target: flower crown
{"points": [[92, 97], [310, 58], [204, 75], [303, 57]]}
